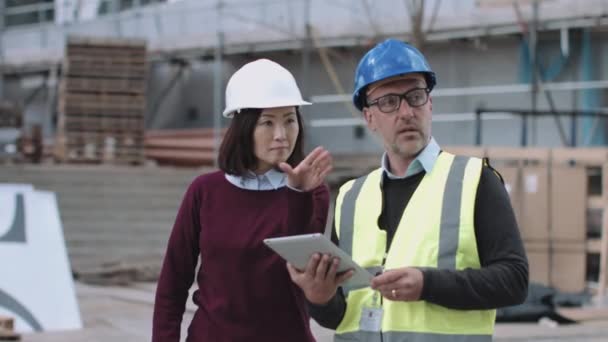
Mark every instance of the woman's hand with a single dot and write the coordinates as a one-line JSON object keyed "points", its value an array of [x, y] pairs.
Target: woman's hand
{"points": [[311, 172]]}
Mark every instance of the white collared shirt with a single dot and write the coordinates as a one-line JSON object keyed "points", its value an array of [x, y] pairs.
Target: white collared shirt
{"points": [[271, 180], [424, 161]]}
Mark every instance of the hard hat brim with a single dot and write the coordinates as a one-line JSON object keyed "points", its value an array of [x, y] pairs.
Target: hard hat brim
{"points": [[229, 112]]}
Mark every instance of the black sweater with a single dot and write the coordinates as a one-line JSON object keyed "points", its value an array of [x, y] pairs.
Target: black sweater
{"points": [[501, 281]]}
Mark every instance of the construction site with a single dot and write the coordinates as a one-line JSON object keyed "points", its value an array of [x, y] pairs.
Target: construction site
{"points": [[109, 109]]}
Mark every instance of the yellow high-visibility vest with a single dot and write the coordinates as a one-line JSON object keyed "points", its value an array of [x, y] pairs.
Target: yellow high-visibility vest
{"points": [[436, 231]]}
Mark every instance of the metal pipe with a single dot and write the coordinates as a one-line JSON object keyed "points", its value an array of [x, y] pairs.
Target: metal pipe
{"points": [[483, 90], [573, 121], [524, 130], [217, 86], [589, 113], [484, 115], [306, 52], [478, 127], [533, 34], [154, 118]]}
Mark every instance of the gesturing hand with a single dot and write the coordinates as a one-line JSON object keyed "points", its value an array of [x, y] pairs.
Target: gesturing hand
{"points": [[311, 172]]}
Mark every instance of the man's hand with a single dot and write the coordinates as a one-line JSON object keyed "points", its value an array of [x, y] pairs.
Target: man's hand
{"points": [[403, 284], [319, 280], [311, 171]]}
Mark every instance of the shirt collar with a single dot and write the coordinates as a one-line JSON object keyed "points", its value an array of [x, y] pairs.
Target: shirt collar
{"points": [[425, 161], [271, 180]]}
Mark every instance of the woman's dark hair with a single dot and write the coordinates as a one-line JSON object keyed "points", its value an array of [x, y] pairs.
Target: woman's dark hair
{"points": [[237, 156]]}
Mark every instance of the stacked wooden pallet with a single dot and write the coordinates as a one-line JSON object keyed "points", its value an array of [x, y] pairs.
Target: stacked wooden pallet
{"points": [[182, 147], [102, 102]]}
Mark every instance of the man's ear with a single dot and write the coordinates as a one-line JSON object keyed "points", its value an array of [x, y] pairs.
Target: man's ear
{"points": [[369, 119]]}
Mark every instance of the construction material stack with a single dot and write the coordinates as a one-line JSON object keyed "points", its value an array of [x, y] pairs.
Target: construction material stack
{"points": [[102, 102]]}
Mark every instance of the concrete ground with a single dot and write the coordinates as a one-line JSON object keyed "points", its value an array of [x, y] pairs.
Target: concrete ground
{"points": [[111, 313]]}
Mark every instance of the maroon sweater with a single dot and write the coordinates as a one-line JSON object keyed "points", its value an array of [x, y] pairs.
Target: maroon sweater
{"points": [[244, 290]]}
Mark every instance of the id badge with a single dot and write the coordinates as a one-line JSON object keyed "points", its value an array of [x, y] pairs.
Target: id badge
{"points": [[371, 319]]}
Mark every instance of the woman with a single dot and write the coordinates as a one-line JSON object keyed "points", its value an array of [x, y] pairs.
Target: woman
{"points": [[266, 188]]}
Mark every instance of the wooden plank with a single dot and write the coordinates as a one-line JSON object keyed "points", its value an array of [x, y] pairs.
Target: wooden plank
{"points": [[106, 121], [180, 144], [82, 65], [107, 63], [107, 110], [108, 59], [103, 99], [104, 129], [137, 135], [169, 153], [105, 85], [105, 72], [185, 158], [182, 133], [84, 123]]}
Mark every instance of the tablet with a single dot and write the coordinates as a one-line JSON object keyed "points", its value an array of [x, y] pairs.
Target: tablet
{"points": [[297, 249]]}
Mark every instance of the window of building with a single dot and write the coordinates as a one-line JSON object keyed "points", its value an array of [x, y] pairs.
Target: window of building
{"points": [[24, 12], [112, 6]]}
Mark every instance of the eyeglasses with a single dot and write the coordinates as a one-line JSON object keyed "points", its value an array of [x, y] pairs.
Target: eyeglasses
{"points": [[416, 97]]}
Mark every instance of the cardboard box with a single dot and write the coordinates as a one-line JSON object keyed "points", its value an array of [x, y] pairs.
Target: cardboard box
{"points": [[511, 177], [568, 266], [538, 260], [579, 156], [568, 203], [534, 208], [520, 156]]}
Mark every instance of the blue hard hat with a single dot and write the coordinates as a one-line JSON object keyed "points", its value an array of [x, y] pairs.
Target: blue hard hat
{"points": [[387, 59]]}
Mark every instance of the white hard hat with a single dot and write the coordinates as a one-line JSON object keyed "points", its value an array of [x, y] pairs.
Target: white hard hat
{"points": [[261, 84]]}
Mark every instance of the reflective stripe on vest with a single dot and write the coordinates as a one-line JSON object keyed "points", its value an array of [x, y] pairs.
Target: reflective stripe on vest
{"points": [[457, 179], [391, 336]]}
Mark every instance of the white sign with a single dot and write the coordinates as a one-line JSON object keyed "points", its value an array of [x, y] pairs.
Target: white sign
{"points": [[531, 183], [36, 285]]}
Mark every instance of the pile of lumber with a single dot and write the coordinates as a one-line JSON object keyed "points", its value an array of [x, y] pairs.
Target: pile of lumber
{"points": [[181, 147]]}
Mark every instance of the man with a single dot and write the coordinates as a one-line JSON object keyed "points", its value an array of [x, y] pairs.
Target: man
{"points": [[441, 226]]}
